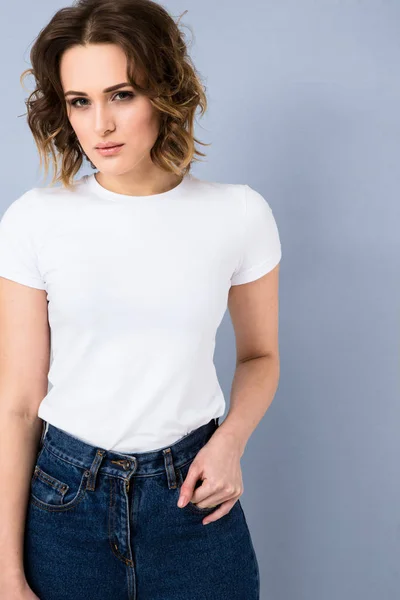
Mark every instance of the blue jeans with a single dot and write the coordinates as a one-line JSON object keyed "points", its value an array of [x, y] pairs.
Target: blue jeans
{"points": [[102, 525]]}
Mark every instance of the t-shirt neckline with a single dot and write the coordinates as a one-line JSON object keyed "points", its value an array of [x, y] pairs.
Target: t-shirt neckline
{"points": [[101, 191]]}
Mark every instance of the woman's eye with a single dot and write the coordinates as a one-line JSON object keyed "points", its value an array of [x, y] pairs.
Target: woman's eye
{"points": [[76, 100], [130, 95]]}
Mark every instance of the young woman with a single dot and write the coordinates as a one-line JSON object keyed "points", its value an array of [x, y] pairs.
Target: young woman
{"points": [[128, 272]]}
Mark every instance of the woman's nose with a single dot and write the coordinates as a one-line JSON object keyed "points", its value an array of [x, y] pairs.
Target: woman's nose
{"points": [[103, 120]]}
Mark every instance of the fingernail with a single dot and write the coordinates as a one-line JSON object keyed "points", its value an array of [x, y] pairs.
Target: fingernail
{"points": [[181, 501]]}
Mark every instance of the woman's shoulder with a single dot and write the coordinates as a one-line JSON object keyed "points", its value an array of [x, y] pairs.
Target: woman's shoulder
{"points": [[222, 188]]}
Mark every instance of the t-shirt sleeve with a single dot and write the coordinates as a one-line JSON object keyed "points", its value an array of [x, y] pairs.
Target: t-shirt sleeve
{"points": [[18, 257], [261, 251]]}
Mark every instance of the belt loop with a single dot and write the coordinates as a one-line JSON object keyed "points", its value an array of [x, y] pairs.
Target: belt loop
{"points": [[169, 468], [42, 435], [91, 480]]}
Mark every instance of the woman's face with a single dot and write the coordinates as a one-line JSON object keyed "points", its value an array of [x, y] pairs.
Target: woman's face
{"points": [[120, 116]]}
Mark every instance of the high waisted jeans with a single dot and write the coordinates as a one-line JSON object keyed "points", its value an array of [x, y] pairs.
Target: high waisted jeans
{"points": [[102, 525]]}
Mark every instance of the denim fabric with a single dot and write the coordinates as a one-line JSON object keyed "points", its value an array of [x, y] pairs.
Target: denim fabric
{"points": [[102, 525]]}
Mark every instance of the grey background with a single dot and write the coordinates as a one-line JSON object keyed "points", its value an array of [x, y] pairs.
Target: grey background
{"points": [[304, 101]]}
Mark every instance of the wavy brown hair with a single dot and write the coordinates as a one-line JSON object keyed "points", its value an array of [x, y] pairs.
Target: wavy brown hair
{"points": [[157, 57]]}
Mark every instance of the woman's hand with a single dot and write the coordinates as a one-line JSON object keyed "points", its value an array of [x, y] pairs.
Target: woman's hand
{"points": [[218, 464]]}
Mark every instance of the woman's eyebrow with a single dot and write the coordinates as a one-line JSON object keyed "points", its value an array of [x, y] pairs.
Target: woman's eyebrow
{"points": [[109, 89]]}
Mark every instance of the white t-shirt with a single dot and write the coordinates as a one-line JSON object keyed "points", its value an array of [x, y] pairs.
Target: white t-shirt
{"points": [[136, 287]]}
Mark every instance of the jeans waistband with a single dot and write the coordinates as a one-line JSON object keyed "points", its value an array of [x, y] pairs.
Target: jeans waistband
{"points": [[97, 460]]}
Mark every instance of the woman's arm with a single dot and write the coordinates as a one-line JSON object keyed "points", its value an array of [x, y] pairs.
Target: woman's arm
{"points": [[254, 311], [24, 364]]}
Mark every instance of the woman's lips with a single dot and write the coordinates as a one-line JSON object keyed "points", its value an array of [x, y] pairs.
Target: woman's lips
{"points": [[109, 151]]}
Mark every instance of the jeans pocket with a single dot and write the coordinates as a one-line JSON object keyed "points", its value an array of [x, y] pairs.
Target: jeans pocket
{"points": [[56, 484], [181, 474]]}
